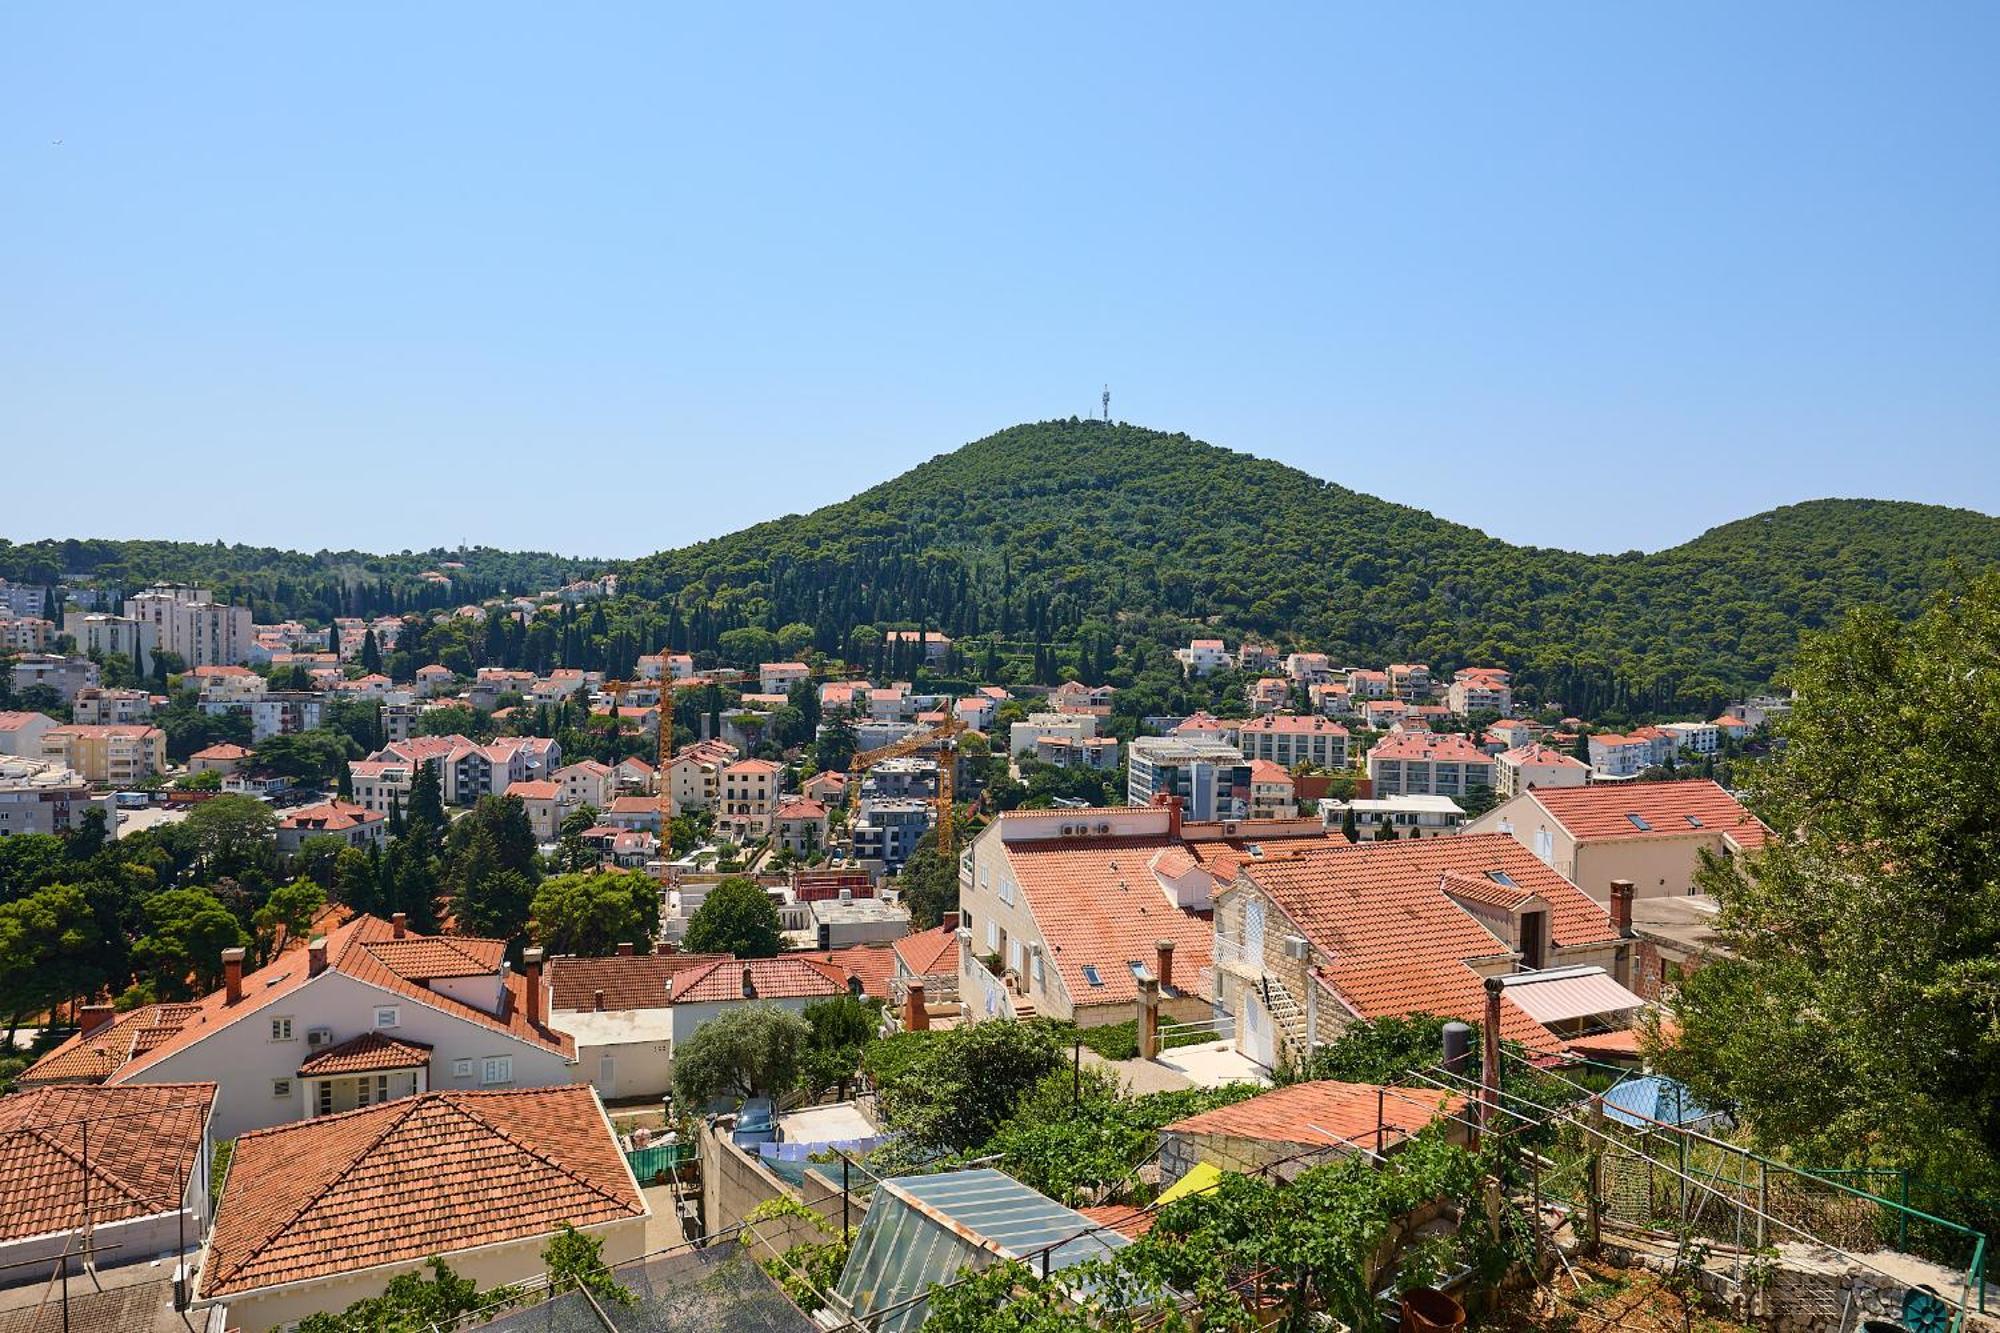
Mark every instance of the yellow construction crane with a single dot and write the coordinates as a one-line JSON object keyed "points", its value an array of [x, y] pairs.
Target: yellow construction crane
{"points": [[942, 736]]}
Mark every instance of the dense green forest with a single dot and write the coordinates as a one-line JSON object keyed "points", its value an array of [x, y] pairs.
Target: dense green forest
{"points": [[1096, 537], [1085, 548], [278, 585]]}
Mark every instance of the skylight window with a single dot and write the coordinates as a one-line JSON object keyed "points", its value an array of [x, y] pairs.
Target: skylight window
{"points": [[1639, 822], [1502, 877], [1090, 974], [1694, 821]]}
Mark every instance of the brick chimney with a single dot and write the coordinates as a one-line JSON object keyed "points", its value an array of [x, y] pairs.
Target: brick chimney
{"points": [[232, 976], [624, 948], [597, 1001], [93, 1018], [401, 921], [950, 920], [916, 1017], [316, 956], [1173, 805], [1621, 908], [531, 968], [749, 983], [1163, 963]]}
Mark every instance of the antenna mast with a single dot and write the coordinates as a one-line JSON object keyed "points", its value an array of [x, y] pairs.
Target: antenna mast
{"points": [[1107, 404]]}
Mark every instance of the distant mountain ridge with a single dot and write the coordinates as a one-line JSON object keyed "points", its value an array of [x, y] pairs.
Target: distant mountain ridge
{"points": [[1090, 545]]}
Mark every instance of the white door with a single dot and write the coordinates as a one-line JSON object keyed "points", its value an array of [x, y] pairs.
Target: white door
{"points": [[607, 1076], [1259, 1037]]}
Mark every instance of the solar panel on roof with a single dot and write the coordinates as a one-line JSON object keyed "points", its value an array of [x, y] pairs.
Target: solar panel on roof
{"points": [[1639, 822]]}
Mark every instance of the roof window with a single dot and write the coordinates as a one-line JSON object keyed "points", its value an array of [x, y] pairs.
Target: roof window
{"points": [[1639, 822]]}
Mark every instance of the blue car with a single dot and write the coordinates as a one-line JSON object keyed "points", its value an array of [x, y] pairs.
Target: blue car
{"points": [[756, 1122]]}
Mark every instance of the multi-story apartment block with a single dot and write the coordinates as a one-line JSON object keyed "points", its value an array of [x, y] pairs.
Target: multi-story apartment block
{"points": [[283, 713], [1331, 698], [1267, 694], [30, 634], [1410, 682], [779, 677], [749, 799], [1366, 684], [1211, 779], [108, 756], [1024, 736], [1378, 818], [23, 600], [1203, 657], [1518, 769], [100, 706], [1480, 690], [694, 780], [1289, 739], [190, 622], [1309, 668], [42, 796], [1696, 738], [886, 829], [21, 733], [64, 675], [1420, 763]]}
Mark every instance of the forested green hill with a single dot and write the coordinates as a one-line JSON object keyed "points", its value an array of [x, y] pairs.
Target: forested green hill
{"points": [[1073, 529]]}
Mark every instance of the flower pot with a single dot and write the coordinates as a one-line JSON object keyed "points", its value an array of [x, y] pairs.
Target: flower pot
{"points": [[1426, 1310]]}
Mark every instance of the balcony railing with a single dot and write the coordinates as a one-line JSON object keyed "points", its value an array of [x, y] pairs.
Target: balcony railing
{"points": [[1232, 952]]}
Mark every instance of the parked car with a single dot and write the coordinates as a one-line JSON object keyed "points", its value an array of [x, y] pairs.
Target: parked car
{"points": [[756, 1122]]}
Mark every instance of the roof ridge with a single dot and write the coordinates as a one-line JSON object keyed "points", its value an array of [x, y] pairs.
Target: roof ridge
{"points": [[271, 1235]]}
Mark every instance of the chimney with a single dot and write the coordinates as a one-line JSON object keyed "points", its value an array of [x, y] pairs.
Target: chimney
{"points": [[664, 948], [401, 921], [531, 969], [950, 920], [597, 1001], [846, 896], [1173, 805], [1149, 1017], [232, 976], [1163, 963], [916, 1018], [316, 956], [95, 1017], [624, 948], [749, 984], [1621, 908]]}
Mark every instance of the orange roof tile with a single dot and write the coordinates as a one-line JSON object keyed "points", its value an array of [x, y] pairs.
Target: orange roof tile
{"points": [[369, 1052], [630, 981], [786, 978], [1665, 809], [427, 1175], [930, 952], [143, 1144], [875, 964], [1326, 1111]]}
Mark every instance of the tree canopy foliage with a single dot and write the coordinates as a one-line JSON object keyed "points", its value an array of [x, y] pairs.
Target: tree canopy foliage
{"points": [[735, 918], [748, 1050]]}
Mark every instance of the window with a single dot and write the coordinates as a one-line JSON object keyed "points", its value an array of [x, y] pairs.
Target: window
{"points": [[496, 1069], [1035, 969], [1006, 891], [388, 1016], [1694, 821], [1502, 877], [461, 1068], [281, 1029], [1639, 822], [993, 937], [326, 1097], [1545, 845], [1090, 974], [281, 1087]]}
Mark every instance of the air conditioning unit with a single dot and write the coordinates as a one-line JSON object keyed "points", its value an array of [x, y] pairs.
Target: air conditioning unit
{"points": [[1069, 830], [1296, 948], [1103, 828], [1229, 830], [317, 1038]]}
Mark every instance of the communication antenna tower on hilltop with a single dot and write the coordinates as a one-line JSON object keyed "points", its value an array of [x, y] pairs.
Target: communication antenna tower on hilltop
{"points": [[1107, 404]]}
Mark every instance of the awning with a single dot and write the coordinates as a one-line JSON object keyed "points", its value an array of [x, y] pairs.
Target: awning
{"points": [[1573, 992], [1201, 1177]]}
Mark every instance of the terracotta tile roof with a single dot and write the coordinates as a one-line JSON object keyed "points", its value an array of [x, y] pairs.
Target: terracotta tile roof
{"points": [[1326, 1111], [1292, 724], [143, 1144], [801, 808], [356, 948], [929, 953], [427, 1175], [1400, 945], [635, 981], [1122, 1218], [752, 766], [222, 750], [1268, 771], [367, 1053], [98, 1057], [1541, 756], [14, 721], [633, 805], [786, 978], [1667, 809], [330, 816], [539, 789], [875, 964], [105, 730], [1449, 748]]}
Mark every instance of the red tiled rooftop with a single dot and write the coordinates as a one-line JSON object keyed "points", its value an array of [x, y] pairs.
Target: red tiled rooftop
{"points": [[785, 978], [1667, 809], [930, 952], [1326, 1111], [143, 1142], [367, 1053], [630, 981]]}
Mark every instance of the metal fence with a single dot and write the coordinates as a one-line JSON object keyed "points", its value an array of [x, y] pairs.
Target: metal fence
{"points": [[648, 1163]]}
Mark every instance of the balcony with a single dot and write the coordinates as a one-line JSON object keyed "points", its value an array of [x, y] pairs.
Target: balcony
{"points": [[1233, 955]]}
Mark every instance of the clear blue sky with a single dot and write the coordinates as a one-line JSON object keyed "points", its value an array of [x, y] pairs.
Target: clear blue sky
{"points": [[603, 279]]}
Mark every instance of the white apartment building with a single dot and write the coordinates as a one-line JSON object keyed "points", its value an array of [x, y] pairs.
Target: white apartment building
{"points": [[1024, 736], [1203, 657], [1211, 779], [1289, 739], [190, 622], [1407, 816], [100, 635], [100, 706], [1697, 738], [1421, 763], [1538, 766]]}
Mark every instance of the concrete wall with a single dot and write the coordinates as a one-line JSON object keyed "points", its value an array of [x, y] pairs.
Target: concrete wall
{"points": [[489, 1266], [243, 1061], [734, 1182], [638, 1068]]}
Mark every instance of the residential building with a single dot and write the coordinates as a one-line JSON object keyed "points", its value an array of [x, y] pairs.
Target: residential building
{"points": [[1366, 684], [1651, 833], [108, 756], [1099, 752], [1695, 738], [1331, 698], [634, 776], [586, 782], [1291, 739], [1306, 944], [1613, 756], [1211, 779], [23, 600], [39, 796], [905, 777], [64, 675], [640, 813], [749, 799], [936, 646], [352, 824], [1203, 657], [694, 779], [1516, 770], [1025, 735], [885, 830], [220, 686], [101, 706], [1273, 794], [318, 1215], [846, 921], [224, 757], [1480, 690], [188, 621], [99, 635], [702, 994], [1063, 912], [1381, 817], [800, 826], [1073, 696], [975, 711], [1309, 669], [146, 1152], [1510, 734], [827, 786], [1410, 682], [1268, 694], [1420, 763], [618, 1011], [26, 635], [380, 784], [435, 679], [283, 713], [779, 677], [666, 666], [546, 803], [369, 1012], [21, 733], [1734, 728]]}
